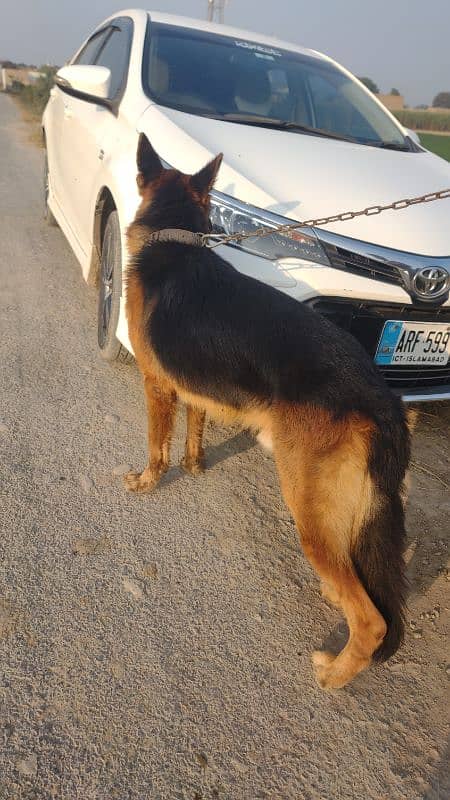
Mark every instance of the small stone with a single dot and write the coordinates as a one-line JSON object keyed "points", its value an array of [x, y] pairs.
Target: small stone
{"points": [[395, 666], [28, 766], [412, 624], [447, 670], [117, 669], [91, 546], [86, 483], [417, 634], [202, 760], [111, 419], [150, 571], [121, 469], [263, 610], [133, 588]]}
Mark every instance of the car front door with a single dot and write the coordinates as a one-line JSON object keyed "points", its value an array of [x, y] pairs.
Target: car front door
{"points": [[58, 131], [91, 129]]}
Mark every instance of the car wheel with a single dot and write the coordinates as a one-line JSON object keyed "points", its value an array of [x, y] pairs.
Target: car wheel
{"points": [[48, 215], [110, 287]]}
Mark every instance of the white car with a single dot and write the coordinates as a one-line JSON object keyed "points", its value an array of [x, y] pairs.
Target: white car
{"points": [[302, 138]]}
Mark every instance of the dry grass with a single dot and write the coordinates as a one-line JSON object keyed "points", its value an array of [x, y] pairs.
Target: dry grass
{"points": [[33, 123]]}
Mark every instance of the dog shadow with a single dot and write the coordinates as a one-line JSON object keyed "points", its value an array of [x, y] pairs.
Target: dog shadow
{"points": [[215, 454], [425, 565], [440, 781]]}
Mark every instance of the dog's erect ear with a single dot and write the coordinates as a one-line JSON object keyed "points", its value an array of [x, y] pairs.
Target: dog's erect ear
{"points": [[148, 161], [203, 181]]}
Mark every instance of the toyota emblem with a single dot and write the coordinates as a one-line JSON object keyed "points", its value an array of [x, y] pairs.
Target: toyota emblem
{"points": [[431, 282]]}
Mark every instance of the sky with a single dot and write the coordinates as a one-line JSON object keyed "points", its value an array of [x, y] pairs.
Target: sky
{"points": [[398, 43]]}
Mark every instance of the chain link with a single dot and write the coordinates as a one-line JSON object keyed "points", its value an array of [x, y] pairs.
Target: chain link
{"points": [[212, 240]]}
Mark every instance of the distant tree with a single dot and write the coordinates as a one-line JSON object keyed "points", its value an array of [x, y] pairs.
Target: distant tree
{"points": [[442, 100], [371, 85], [395, 92], [14, 65]]}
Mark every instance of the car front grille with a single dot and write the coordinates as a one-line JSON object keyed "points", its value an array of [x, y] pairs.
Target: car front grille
{"points": [[365, 321], [358, 264]]}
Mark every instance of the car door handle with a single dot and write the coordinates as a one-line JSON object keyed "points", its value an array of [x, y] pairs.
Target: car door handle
{"points": [[67, 111]]}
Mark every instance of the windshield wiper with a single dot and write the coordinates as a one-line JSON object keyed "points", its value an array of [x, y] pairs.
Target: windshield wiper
{"points": [[282, 124], [285, 125], [387, 145], [393, 146]]}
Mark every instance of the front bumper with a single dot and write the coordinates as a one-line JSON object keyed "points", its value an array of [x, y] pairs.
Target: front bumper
{"points": [[360, 300], [365, 320], [359, 297]]}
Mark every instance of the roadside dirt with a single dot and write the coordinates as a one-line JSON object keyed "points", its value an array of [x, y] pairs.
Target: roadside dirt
{"points": [[158, 647]]}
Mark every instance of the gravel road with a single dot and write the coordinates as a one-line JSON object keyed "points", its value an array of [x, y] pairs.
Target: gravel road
{"points": [[158, 647]]}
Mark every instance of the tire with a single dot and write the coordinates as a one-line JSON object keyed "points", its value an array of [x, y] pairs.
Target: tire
{"points": [[109, 292], [48, 215]]}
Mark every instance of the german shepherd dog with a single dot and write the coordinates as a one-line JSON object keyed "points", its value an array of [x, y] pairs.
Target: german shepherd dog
{"points": [[240, 350]]}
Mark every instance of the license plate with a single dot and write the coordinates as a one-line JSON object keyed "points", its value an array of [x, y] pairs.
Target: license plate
{"points": [[414, 343]]}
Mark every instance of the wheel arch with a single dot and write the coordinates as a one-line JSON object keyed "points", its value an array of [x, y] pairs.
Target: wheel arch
{"points": [[105, 203]]}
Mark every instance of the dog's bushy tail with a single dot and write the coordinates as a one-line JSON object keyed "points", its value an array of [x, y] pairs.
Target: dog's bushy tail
{"points": [[378, 558], [378, 551]]}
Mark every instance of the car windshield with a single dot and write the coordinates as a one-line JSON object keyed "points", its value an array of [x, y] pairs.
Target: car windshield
{"points": [[243, 81]]}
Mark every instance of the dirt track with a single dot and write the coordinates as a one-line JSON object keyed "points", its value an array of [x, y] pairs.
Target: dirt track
{"points": [[158, 647]]}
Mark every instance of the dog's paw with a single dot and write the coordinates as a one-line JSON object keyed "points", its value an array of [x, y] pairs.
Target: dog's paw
{"points": [[334, 672], [140, 482], [192, 466], [324, 670]]}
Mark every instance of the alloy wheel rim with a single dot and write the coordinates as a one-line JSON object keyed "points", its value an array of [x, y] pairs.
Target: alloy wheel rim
{"points": [[106, 288]]}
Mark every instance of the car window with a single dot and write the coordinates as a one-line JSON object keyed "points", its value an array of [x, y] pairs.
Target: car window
{"points": [[222, 76], [91, 48], [333, 110], [115, 53]]}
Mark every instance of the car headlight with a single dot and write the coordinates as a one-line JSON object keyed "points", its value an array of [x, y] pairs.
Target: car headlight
{"points": [[230, 216]]}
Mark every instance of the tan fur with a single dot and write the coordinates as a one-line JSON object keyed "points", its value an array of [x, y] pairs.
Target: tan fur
{"points": [[327, 459], [264, 438], [325, 481]]}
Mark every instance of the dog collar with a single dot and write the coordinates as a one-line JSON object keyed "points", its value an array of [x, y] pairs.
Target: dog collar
{"points": [[177, 235]]}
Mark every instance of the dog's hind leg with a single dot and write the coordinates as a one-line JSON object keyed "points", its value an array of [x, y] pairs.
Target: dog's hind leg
{"points": [[161, 408], [323, 474], [192, 461]]}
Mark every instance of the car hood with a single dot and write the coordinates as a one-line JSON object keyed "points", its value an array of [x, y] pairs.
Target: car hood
{"points": [[305, 177]]}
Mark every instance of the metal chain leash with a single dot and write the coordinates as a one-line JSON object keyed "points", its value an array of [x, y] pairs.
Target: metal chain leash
{"points": [[212, 240]]}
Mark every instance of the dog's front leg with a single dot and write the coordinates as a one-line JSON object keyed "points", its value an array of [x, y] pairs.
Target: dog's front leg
{"points": [[161, 407], [193, 454]]}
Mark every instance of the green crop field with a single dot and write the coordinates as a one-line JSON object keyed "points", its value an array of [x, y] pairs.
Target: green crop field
{"points": [[424, 120], [437, 144]]}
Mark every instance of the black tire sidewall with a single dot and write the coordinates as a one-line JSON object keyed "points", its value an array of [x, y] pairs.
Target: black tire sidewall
{"points": [[110, 347]]}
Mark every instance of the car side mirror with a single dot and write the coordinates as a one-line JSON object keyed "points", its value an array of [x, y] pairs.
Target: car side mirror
{"points": [[85, 79], [413, 135]]}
